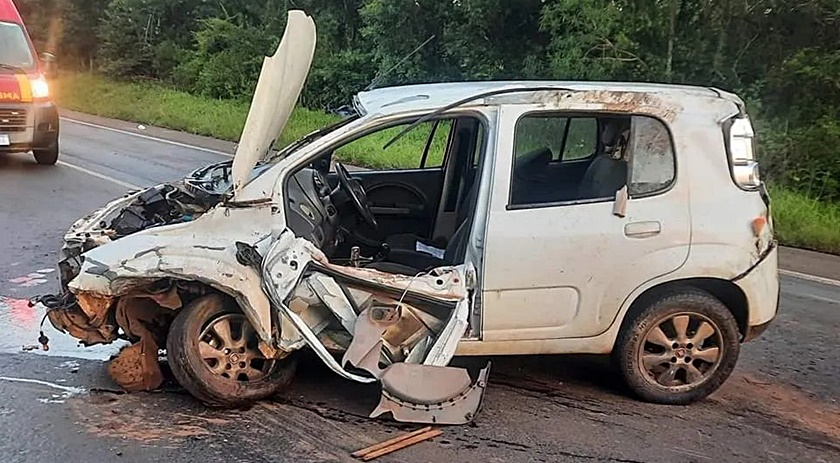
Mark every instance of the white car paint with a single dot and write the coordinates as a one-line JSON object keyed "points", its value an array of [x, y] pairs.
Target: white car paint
{"points": [[595, 251], [278, 88], [556, 279]]}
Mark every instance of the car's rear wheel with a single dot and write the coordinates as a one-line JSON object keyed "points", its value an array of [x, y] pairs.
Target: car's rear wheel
{"points": [[212, 351], [46, 156], [678, 349]]}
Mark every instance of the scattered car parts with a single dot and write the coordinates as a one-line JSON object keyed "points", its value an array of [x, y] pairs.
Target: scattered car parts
{"points": [[396, 443]]}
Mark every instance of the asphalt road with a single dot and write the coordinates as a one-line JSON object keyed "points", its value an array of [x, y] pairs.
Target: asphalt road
{"points": [[780, 405]]}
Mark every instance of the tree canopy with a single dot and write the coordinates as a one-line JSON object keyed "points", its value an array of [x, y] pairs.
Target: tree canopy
{"points": [[782, 56]]}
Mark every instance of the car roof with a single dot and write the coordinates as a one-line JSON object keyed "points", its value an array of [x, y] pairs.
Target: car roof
{"points": [[432, 96], [9, 13]]}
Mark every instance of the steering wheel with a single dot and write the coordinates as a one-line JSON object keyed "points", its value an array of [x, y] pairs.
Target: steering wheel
{"points": [[356, 193]]}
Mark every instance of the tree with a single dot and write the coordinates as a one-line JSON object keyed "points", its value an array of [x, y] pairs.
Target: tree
{"points": [[780, 55]]}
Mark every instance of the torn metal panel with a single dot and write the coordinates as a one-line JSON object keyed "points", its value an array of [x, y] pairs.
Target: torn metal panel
{"points": [[365, 350], [283, 264], [445, 283], [331, 294], [444, 347], [315, 315], [429, 394], [287, 259], [75, 322]]}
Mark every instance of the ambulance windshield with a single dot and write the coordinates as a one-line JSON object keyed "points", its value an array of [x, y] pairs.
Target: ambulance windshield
{"points": [[15, 51]]}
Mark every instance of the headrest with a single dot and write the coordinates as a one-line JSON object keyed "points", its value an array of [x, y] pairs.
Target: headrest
{"points": [[612, 137]]}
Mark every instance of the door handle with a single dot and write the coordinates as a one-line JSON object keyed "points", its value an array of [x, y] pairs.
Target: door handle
{"points": [[642, 229]]}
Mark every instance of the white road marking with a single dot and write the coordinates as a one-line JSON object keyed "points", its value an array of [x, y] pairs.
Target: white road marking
{"points": [[67, 389], [147, 137], [805, 276], [827, 300], [130, 186]]}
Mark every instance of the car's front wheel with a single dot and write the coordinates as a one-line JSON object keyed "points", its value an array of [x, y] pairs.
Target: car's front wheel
{"points": [[213, 353], [679, 348]]}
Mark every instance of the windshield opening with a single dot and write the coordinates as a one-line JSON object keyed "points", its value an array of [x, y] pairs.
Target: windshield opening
{"points": [[15, 51], [309, 138], [300, 143]]}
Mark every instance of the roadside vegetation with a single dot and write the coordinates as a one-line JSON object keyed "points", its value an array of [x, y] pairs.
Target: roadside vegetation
{"points": [[782, 56], [806, 222], [152, 103]]}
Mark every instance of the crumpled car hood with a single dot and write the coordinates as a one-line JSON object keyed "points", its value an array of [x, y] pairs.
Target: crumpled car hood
{"points": [[281, 81]]}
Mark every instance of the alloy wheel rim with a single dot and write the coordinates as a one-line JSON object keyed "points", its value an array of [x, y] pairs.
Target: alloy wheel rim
{"points": [[228, 347], [681, 351]]}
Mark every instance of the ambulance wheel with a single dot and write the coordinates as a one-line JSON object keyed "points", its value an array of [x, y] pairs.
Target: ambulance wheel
{"points": [[47, 156]]}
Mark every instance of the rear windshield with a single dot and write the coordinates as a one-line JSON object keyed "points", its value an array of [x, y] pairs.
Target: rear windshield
{"points": [[15, 50]]}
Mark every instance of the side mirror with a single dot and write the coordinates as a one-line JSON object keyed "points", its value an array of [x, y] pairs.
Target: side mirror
{"points": [[50, 68]]}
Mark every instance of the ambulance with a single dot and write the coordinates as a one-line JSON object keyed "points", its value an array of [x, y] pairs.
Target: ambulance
{"points": [[28, 116]]}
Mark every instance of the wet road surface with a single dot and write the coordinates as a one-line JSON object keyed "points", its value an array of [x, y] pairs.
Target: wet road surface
{"points": [[781, 404]]}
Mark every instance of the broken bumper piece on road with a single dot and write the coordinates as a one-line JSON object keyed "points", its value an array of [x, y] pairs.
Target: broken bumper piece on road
{"points": [[365, 325]]}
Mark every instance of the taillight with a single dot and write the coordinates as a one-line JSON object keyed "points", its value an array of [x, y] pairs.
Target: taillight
{"points": [[742, 160]]}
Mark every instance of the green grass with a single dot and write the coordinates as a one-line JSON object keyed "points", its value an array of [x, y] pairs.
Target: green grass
{"points": [[155, 104], [805, 222], [800, 221]]}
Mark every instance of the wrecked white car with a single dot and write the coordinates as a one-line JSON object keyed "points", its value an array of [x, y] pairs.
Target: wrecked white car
{"points": [[539, 218]]}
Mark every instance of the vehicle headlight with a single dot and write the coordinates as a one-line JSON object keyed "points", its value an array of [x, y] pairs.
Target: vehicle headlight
{"points": [[40, 87]]}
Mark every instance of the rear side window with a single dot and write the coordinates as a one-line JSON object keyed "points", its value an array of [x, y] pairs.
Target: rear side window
{"points": [[560, 160], [568, 138], [653, 167], [15, 50]]}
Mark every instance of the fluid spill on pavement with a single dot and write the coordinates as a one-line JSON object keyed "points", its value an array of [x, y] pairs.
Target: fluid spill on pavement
{"points": [[135, 417], [19, 329], [794, 408]]}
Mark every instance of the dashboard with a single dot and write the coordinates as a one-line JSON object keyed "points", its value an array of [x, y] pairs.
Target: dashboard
{"points": [[311, 213]]}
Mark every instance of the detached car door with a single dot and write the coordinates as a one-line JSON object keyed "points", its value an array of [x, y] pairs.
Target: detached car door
{"points": [[560, 258]]}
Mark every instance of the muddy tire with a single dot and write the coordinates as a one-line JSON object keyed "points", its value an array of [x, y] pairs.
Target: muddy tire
{"points": [[679, 348], [211, 349], [47, 156]]}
